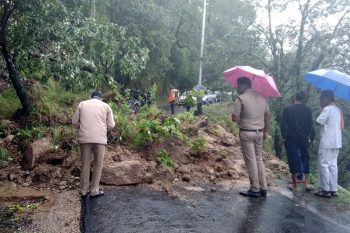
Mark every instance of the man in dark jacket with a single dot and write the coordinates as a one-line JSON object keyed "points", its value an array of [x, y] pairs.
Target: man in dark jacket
{"points": [[298, 132]]}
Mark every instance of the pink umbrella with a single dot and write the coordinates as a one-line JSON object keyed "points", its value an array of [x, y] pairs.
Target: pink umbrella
{"points": [[261, 82]]}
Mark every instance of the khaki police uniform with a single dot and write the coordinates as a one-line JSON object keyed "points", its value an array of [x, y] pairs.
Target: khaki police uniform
{"points": [[251, 107]]}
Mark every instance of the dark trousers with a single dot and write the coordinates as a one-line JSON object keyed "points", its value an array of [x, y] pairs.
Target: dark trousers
{"points": [[298, 155], [172, 107]]}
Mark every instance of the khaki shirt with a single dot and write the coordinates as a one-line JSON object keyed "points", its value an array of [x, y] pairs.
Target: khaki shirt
{"points": [[251, 109], [94, 118]]}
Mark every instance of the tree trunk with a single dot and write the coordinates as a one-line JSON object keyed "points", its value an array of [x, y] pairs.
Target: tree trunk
{"points": [[20, 90], [298, 58], [8, 8]]}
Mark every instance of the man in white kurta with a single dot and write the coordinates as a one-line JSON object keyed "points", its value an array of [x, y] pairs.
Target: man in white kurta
{"points": [[330, 143]]}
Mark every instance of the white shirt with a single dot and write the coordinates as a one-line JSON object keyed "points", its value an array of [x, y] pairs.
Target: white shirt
{"points": [[330, 119]]}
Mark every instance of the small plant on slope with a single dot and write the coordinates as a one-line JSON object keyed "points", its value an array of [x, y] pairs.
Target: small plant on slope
{"points": [[165, 159]]}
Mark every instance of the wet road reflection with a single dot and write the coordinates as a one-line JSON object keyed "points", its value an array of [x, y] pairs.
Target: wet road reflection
{"points": [[139, 209]]}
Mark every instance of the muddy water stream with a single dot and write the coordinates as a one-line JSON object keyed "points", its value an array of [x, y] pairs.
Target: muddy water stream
{"points": [[18, 205]]}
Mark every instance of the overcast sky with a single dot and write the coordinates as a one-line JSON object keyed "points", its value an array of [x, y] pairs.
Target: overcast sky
{"points": [[292, 13]]}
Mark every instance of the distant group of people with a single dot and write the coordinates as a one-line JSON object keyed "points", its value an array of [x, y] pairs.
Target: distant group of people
{"points": [[298, 134], [251, 111], [138, 99]]}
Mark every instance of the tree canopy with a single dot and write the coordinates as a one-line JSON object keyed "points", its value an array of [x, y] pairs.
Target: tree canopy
{"points": [[85, 44]]}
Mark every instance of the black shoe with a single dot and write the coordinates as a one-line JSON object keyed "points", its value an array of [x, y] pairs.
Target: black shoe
{"points": [[262, 193], [250, 193], [334, 194], [322, 193]]}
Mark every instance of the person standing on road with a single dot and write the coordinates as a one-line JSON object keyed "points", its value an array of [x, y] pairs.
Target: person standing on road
{"points": [[94, 118], [251, 111], [298, 132], [331, 120], [172, 100]]}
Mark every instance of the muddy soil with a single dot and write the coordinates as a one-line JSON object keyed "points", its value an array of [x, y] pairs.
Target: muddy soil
{"points": [[27, 209], [56, 175]]}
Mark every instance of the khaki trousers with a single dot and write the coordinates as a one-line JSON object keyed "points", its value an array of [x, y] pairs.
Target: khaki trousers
{"points": [[86, 150], [251, 144]]}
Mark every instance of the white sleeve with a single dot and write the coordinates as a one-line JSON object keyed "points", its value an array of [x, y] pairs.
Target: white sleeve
{"points": [[76, 117], [110, 119], [323, 117]]}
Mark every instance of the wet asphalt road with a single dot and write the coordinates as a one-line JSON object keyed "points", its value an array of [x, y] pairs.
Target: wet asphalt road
{"points": [[140, 209]]}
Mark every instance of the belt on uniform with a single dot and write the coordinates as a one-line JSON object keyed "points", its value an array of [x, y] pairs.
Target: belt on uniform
{"points": [[251, 130]]}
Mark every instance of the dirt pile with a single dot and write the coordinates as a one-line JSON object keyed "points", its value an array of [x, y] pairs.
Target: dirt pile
{"points": [[219, 161], [56, 169]]}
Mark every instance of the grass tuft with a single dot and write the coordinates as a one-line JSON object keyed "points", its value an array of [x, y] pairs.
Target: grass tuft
{"points": [[4, 154], [9, 103], [165, 159]]}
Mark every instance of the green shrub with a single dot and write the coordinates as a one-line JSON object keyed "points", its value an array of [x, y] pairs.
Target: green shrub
{"points": [[171, 127], [185, 139], [59, 133], [7, 128], [153, 92], [198, 145], [9, 103], [148, 112], [221, 114], [192, 95], [165, 159], [4, 154], [148, 131], [52, 100], [186, 116], [24, 134], [125, 128], [312, 178], [223, 153]]}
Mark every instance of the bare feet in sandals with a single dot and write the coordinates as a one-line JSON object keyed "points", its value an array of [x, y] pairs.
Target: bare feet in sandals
{"points": [[309, 187], [97, 194], [292, 187]]}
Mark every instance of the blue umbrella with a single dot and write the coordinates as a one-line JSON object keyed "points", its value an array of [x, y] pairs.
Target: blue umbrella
{"points": [[333, 80]]}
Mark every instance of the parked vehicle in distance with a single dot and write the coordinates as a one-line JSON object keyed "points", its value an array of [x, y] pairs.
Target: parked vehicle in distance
{"points": [[206, 99], [209, 98], [181, 99], [212, 98]]}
